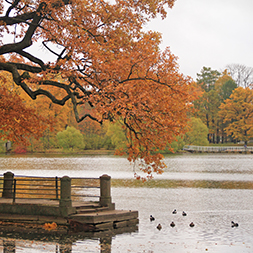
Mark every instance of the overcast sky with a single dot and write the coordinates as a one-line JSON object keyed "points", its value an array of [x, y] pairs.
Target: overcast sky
{"points": [[210, 33]]}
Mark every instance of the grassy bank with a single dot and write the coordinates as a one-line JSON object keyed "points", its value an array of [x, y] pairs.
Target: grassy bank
{"points": [[165, 183]]}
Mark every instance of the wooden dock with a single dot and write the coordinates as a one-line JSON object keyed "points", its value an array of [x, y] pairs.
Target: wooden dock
{"points": [[87, 217], [65, 213]]}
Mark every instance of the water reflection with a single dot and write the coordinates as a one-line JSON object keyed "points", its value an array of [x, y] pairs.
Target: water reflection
{"points": [[211, 210], [42, 241], [213, 189], [9, 246]]}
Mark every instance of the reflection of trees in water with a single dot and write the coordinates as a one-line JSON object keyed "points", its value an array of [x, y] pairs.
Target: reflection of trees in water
{"points": [[9, 246], [62, 242]]}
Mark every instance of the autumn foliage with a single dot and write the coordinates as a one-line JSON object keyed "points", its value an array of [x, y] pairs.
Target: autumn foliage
{"points": [[237, 113], [17, 122], [99, 55]]}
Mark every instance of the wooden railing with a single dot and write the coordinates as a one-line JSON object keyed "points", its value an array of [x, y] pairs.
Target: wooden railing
{"points": [[218, 149], [32, 187], [84, 188], [53, 188]]}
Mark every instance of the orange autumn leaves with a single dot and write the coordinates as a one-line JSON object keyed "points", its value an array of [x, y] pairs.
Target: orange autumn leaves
{"points": [[103, 59], [16, 120], [22, 118], [50, 226], [237, 113], [152, 101]]}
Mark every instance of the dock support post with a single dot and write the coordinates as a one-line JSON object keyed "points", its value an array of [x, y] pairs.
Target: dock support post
{"points": [[8, 183], [65, 201], [105, 192], [105, 244]]}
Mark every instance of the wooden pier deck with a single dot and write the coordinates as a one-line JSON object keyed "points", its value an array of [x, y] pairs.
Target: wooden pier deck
{"points": [[88, 216], [67, 214]]}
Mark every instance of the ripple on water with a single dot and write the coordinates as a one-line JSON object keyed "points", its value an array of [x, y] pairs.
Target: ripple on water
{"points": [[212, 218], [211, 209]]}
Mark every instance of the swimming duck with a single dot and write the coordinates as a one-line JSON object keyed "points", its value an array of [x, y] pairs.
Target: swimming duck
{"points": [[234, 224], [172, 224], [159, 226], [184, 213], [151, 218], [191, 224], [174, 211]]}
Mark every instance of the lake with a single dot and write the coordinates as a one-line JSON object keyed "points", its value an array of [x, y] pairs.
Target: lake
{"points": [[224, 195]]}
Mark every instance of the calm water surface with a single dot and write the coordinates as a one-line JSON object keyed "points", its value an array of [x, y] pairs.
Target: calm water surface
{"points": [[212, 210]]}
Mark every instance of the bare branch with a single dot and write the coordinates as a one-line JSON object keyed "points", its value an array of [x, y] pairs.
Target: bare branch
{"points": [[19, 66], [32, 59], [14, 4], [27, 40], [23, 18]]}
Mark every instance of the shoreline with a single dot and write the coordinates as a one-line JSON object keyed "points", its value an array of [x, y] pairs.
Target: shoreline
{"points": [[61, 152], [112, 152]]}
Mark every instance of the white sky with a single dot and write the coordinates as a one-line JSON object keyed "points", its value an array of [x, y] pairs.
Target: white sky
{"points": [[210, 33]]}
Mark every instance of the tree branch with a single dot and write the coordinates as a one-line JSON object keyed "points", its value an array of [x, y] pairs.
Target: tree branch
{"points": [[18, 19], [32, 58], [27, 40], [14, 4], [19, 66]]}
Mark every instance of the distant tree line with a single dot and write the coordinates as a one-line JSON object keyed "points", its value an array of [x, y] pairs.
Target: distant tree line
{"points": [[226, 104]]}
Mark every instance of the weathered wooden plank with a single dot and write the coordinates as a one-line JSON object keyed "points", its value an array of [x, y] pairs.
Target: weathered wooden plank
{"points": [[106, 216], [90, 210], [32, 219], [105, 225], [126, 223], [125, 230], [120, 224], [83, 204]]}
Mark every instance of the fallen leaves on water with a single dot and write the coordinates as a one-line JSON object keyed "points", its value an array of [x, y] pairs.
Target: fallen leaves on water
{"points": [[50, 226]]}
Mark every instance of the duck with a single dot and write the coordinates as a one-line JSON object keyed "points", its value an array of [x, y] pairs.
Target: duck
{"points": [[172, 224], [174, 211], [234, 224], [159, 226], [191, 224], [184, 213], [151, 218]]}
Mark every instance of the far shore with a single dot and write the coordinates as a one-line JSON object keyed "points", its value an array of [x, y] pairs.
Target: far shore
{"points": [[67, 152], [101, 151]]}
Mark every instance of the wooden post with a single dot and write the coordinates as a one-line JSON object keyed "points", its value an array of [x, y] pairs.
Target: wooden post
{"points": [[9, 246], [8, 183], [105, 192], [65, 201], [66, 247], [14, 190], [56, 188], [105, 244]]}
